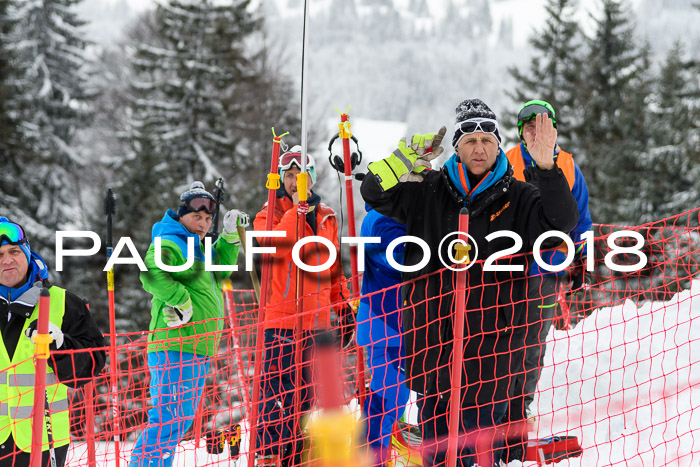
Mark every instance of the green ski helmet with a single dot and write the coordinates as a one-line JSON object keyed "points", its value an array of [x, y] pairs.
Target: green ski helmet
{"points": [[530, 109]]}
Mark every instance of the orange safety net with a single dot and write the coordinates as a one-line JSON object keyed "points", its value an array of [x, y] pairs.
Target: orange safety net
{"points": [[617, 383]]}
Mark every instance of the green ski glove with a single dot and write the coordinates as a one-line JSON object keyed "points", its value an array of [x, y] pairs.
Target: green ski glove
{"points": [[407, 162]]}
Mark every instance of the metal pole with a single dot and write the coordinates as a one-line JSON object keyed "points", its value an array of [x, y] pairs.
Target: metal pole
{"points": [[273, 183]]}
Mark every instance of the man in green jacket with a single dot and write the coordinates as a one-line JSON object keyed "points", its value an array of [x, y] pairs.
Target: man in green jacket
{"points": [[186, 317]]}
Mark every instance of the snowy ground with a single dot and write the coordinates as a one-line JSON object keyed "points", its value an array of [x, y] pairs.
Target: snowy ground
{"points": [[625, 381]]}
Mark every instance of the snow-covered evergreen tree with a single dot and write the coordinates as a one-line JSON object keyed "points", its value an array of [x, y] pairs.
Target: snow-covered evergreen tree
{"points": [[672, 164], [555, 71], [182, 109], [48, 99], [8, 126], [613, 134], [201, 95]]}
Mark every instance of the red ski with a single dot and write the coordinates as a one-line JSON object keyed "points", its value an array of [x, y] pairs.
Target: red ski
{"points": [[553, 449]]}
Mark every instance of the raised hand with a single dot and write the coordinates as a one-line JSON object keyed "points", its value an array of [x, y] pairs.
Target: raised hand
{"points": [[542, 149]]}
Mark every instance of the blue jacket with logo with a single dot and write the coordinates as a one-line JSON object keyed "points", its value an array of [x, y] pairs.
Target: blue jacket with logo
{"points": [[379, 318]]}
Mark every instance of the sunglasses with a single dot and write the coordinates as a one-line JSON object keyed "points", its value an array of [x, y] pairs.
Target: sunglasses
{"points": [[12, 234], [531, 111], [201, 204], [289, 159], [485, 125]]}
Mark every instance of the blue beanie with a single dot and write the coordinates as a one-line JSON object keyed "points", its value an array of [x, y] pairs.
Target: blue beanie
{"points": [[24, 246], [196, 190]]}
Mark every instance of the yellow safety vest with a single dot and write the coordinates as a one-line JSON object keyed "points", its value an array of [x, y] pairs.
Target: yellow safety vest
{"points": [[17, 387]]}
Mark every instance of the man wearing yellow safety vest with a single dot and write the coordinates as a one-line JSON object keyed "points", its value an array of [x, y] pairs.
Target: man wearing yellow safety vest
{"points": [[542, 285], [22, 275]]}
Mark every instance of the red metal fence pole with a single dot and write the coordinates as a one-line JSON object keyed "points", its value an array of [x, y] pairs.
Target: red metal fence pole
{"points": [[273, 182], [458, 349], [345, 134], [89, 398], [41, 353]]}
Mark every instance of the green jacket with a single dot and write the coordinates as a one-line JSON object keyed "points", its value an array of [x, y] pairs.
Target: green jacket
{"points": [[202, 333]]}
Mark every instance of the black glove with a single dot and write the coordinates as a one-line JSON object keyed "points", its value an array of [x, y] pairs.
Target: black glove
{"points": [[54, 331]]}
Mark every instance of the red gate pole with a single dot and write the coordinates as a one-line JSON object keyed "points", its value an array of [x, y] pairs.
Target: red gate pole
{"points": [[273, 183], [89, 398], [41, 353], [228, 301], [302, 210], [89, 390], [458, 345], [345, 135]]}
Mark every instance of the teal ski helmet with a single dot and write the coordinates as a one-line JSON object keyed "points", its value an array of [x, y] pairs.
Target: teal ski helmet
{"points": [[530, 109]]}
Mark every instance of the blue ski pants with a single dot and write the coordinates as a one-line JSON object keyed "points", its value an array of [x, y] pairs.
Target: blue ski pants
{"points": [[177, 381], [388, 394]]}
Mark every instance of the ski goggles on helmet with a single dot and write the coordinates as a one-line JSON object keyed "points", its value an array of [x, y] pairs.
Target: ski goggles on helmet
{"points": [[12, 234], [484, 125], [289, 159], [199, 203], [529, 112]]}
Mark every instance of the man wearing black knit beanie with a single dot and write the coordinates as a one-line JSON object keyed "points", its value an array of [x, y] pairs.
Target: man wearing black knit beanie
{"points": [[477, 176]]}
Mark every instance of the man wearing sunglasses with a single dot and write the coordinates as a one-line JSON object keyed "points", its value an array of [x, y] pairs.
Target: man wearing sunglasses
{"points": [[23, 273], [477, 176], [186, 315], [542, 285], [322, 290]]}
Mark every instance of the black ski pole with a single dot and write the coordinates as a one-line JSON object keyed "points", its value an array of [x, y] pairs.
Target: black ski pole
{"points": [[219, 193]]}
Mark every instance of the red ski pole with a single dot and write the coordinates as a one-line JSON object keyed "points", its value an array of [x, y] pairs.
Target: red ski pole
{"points": [[345, 135], [458, 344], [273, 183]]}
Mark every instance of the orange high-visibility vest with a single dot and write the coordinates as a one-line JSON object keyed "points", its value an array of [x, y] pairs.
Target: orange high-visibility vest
{"points": [[564, 161]]}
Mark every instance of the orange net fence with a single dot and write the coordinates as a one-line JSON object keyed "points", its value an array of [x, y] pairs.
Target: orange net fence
{"points": [[620, 373]]}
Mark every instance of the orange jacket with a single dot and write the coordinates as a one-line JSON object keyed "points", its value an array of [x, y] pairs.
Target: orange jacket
{"points": [[321, 289], [564, 161]]}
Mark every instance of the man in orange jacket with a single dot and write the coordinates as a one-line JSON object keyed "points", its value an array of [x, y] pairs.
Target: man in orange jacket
{"points": [[322, 291], [542, 285]]}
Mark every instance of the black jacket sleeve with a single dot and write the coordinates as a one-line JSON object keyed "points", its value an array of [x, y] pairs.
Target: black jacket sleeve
{"points": [[82, 355], [554, 206], [394, 202]]}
